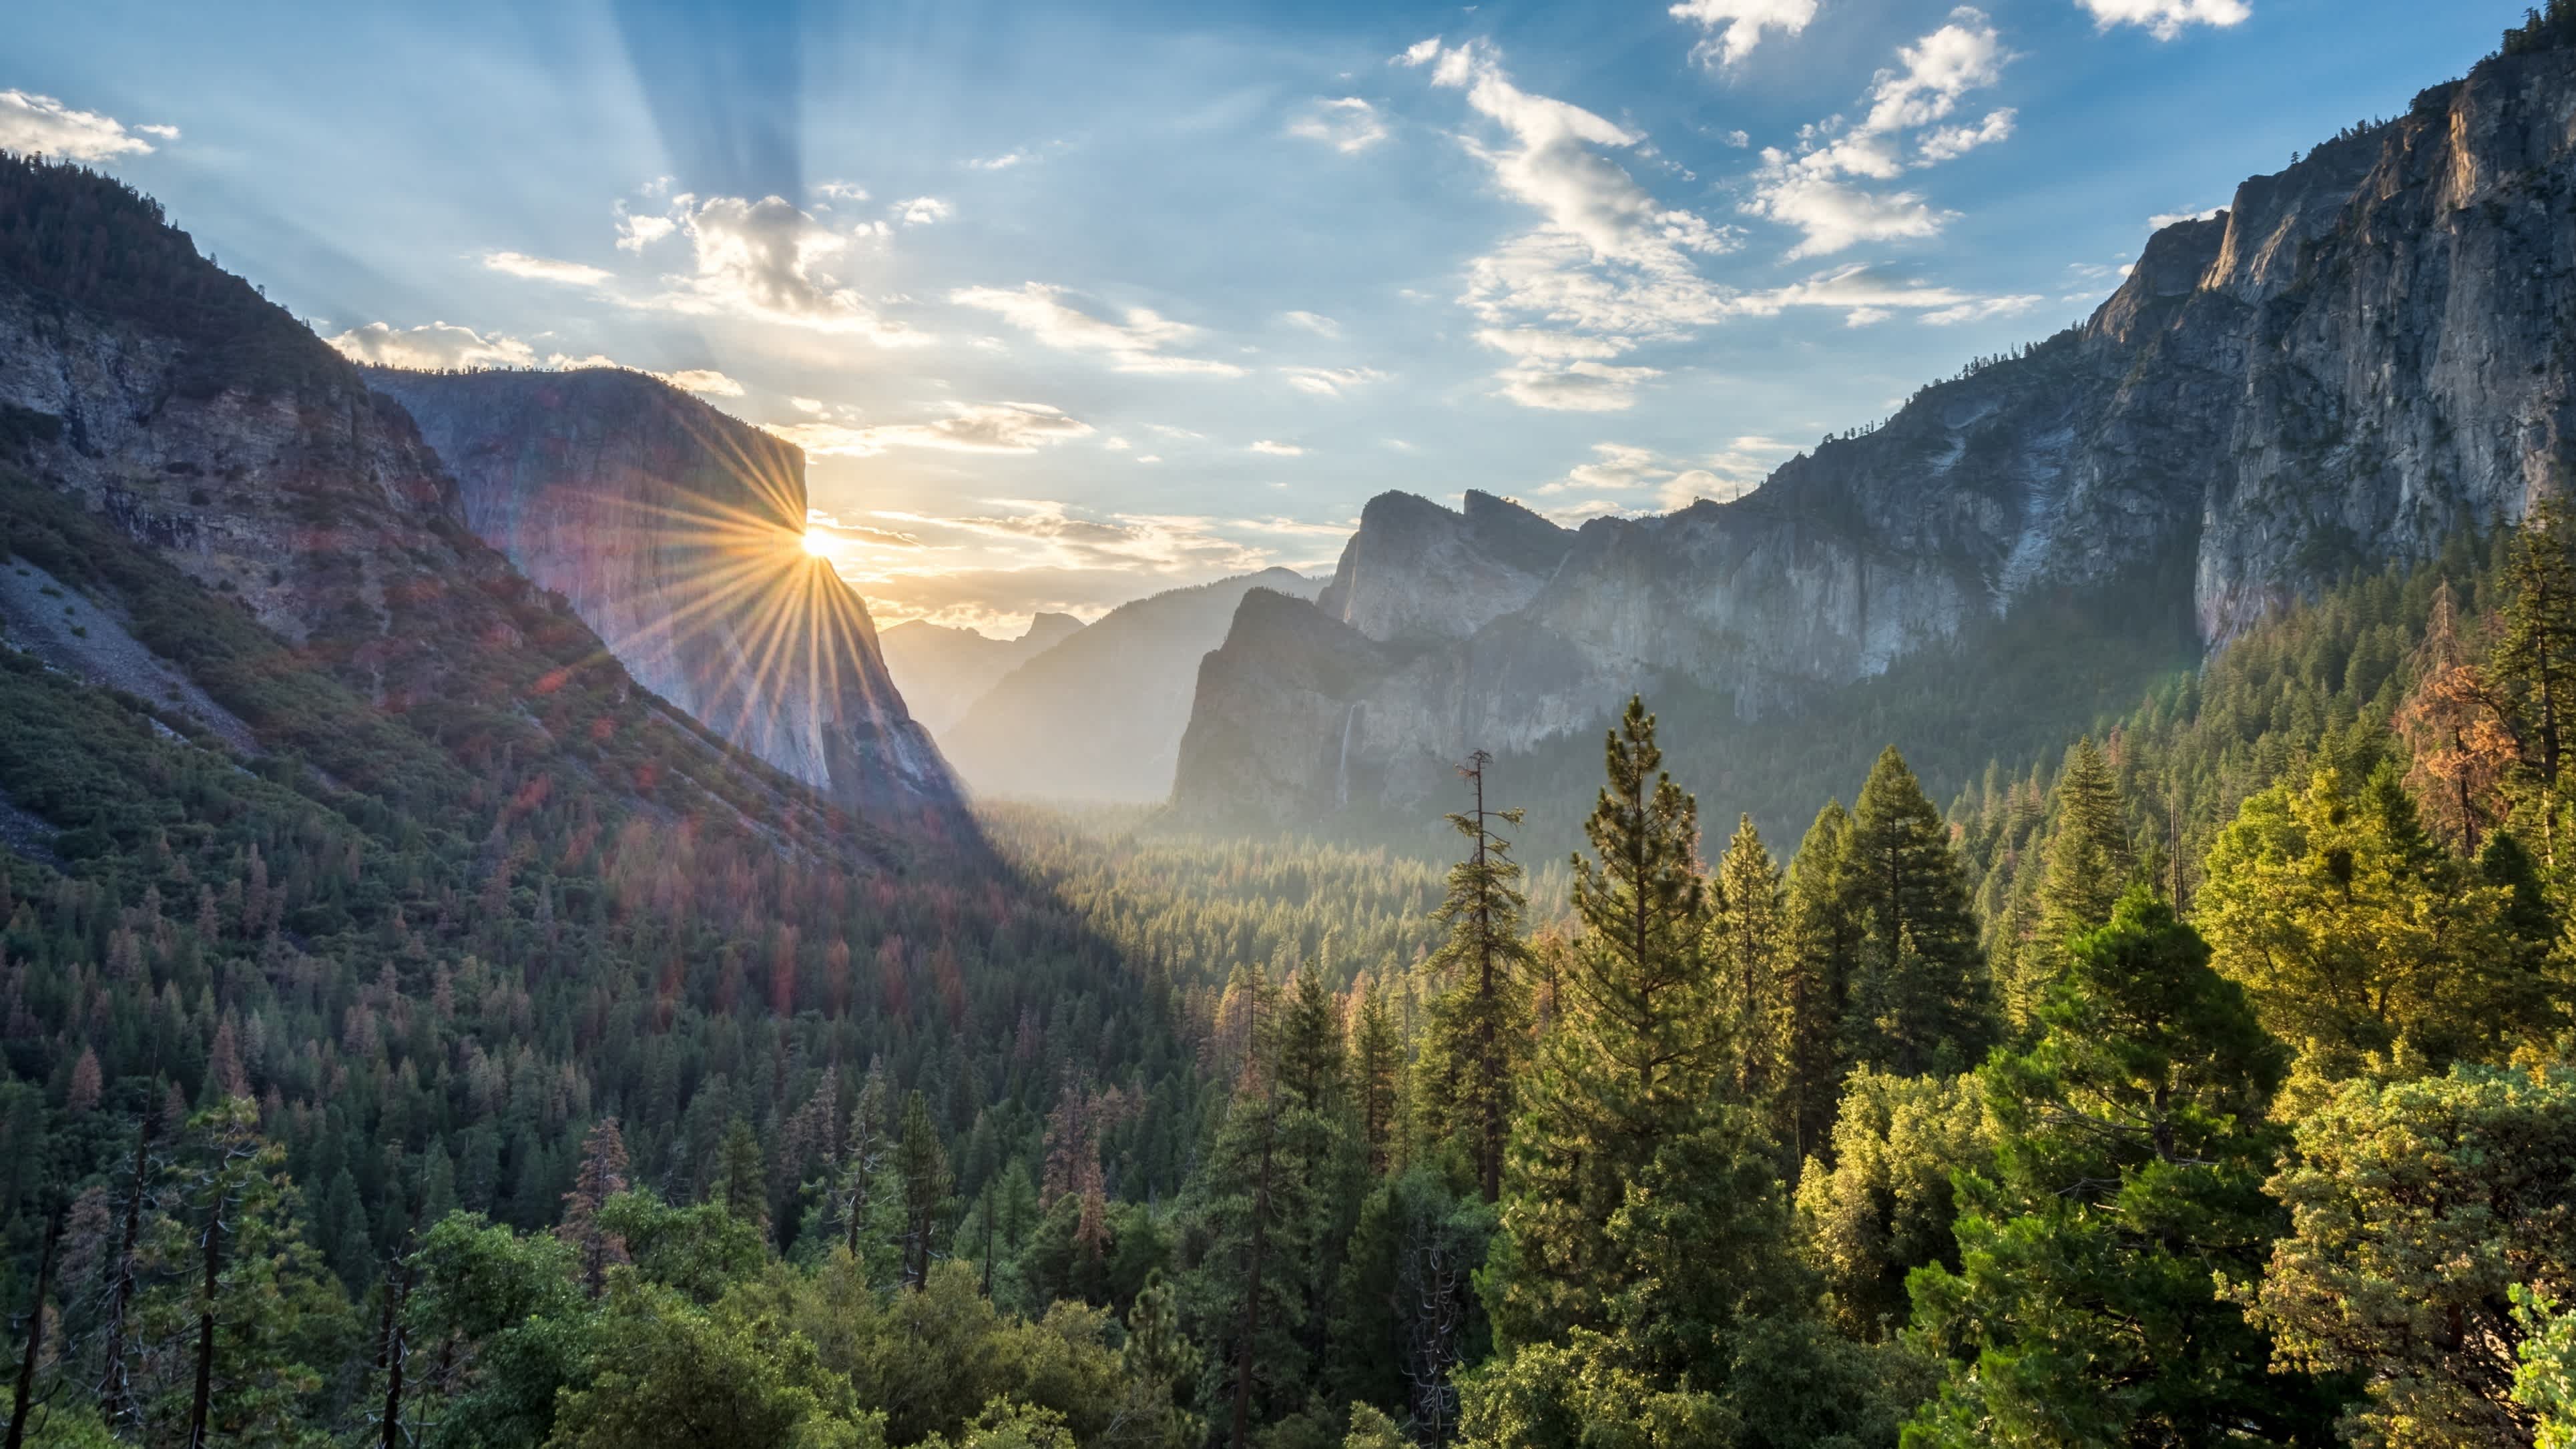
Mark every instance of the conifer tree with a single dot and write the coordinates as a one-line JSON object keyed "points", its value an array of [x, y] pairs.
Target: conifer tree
{"points": [[863, 1153], [1748, 945], [1920, 1003], [1480, 1022], [2535, 654], [742, 1181], [602, 1176], [1377, 1075], [2086, 865], [1818, 962], [2134, 1145], [1636, 1059], [921, 1165]]}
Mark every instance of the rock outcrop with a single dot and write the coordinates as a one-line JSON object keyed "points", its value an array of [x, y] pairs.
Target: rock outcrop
{"points": [[943, 671], [677, 533], [2362, 356]]}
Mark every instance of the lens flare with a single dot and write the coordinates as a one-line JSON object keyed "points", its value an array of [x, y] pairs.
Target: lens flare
{"points": [[818, 542]]}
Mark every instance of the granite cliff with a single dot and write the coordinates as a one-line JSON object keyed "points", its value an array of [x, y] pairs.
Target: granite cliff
{"points": [[677, 532], [2361, 356]]}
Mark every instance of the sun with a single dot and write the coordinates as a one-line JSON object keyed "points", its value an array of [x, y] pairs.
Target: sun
{"points": [[818, 542]]}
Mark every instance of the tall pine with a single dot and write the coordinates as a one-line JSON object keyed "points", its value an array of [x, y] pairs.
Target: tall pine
{"points": [[1921, 1002], [1480, 1021]]}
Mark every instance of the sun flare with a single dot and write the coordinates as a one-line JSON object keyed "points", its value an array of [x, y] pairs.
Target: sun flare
{"points": [[818, 542]]}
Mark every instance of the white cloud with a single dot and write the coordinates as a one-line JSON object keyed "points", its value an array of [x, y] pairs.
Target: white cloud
{"points": [[635, 233], [1278, 449], [765, 260], [1669, 483], [2165, 219], [544, 269], [704, 381], [1348, 125], [41, 125], [1952, 142], [1980, 310], [841, 191], [1576, 387], [433, 346], [1315, 322], [1136, 345], [1330, 381], [1003, 162], [1808, 188], [1834, 215], [2165, 18], [1739, 139], [1735, 26], [922, 210], [1607, 258], [1004, 427]]}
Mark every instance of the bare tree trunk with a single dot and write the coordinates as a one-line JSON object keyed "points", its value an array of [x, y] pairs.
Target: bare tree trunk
{"points": [[393, 1349], [203, 1399], [35, 1334], [112, 1403]]}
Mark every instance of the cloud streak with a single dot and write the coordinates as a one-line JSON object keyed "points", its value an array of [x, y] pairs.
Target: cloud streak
{"points": [[1140, 344]]}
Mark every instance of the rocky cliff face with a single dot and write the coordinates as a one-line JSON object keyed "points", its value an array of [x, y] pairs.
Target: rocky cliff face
{"points": [[677, 533], [2364, 354], [943, 671]]}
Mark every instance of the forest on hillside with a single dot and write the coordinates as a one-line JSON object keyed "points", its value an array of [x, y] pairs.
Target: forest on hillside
{"points": [[2210, 1085]]}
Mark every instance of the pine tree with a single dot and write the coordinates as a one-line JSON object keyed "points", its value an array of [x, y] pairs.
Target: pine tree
{"points": [[602, 1176], [1819, 959], [1633, 1064], [2087, 863], [921, 1165], [742, 1181], [1480, 1021], [863, 1153], [1377, 1076], [2134, 1146], [1748, 946], [1920, 1003], [2535, 655]]}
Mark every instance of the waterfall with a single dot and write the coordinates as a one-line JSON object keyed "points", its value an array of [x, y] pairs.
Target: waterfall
{"points": [[1342, 768]]}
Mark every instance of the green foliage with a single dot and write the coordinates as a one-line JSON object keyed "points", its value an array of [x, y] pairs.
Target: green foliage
{"points": [[673, 1374], [2133, 1145], [2418, 1209], [1919, 991], [2361, 942], [1883, 1205], [2544, 1382]]}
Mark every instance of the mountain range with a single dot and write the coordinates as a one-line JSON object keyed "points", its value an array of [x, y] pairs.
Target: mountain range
{"points": [[943, 670], [2360, 357]]}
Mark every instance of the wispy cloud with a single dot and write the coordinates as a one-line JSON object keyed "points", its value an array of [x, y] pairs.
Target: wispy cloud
{"points": [[922, 210], [1815, 188], [1330, 381], [1276, 449], [1348, 125], [1139, 344], [41, 125], [2165, 19], [1315, 322], [1734, 27], [1001, 427], [545, 269], [432, 346], [1608, 262]]}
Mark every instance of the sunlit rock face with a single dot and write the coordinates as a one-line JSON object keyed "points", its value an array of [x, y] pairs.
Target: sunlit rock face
{"points": [[676, 533], [2361, 356]]}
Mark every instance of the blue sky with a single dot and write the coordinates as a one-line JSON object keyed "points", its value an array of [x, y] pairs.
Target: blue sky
{"points": [[1070, 304]]}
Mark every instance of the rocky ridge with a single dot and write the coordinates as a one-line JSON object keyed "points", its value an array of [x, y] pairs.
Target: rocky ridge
{"points": [[2360, 356]]}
